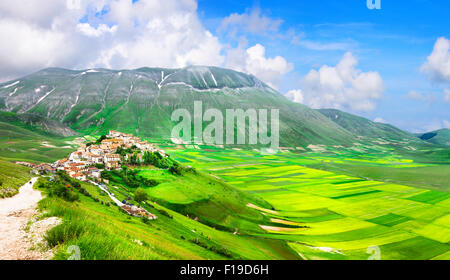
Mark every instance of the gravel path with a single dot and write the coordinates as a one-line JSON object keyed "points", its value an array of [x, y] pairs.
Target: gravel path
{"points": [[15, 212]]}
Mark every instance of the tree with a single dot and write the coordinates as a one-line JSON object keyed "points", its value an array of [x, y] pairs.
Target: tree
{"points": [[103, 137], [140, 195], [175, 169]]}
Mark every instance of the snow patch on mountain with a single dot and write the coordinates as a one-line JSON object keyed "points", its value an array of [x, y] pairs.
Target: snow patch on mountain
{"points": [[11, 85]]}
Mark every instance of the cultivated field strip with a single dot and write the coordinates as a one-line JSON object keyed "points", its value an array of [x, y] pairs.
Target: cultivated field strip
{"points": [[325, 215]]}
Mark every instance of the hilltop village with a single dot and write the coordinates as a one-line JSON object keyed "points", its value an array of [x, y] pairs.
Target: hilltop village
{"points": [[109, 152]]}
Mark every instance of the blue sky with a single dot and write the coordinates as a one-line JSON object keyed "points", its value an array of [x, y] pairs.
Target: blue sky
{"points": [[392, 65], [394, 41]]}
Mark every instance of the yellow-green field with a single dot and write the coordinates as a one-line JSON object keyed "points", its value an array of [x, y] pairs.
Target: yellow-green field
{"points": [[326, 215]]}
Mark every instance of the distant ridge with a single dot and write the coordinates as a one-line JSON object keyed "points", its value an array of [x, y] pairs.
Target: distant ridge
{"points": [[363, 127], [438, 137]]}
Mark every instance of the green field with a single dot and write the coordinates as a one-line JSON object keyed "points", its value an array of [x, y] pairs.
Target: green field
{"points": [[328, 215]]}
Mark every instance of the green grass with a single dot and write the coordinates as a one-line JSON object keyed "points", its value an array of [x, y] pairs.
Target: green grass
{"points": [[214, 202], [103, 232], [25, 144], [12, 177], [329, 215]]}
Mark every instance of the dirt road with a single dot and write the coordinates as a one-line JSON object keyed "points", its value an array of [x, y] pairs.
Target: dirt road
{"points": [[15, 212]]}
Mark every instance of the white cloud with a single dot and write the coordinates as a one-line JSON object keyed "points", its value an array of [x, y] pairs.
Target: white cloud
{"points": [[342, 86], [295, 95], [446, 124], [447, 95], [425, 97], [380, 120], [150, 33], [147, 33], [102, 29], [437, 66], [251, 21], [320, 46], [415, 95], [254, 61]]}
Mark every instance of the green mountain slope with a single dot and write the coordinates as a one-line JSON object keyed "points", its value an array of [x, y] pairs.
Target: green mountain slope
{"points": [[438, 137], [22, 139], [141, 101], [37, 123], [363, 127]]}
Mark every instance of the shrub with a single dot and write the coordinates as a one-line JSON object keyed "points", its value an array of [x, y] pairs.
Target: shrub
{"points": [[65, 192], [164, 213], [175, 169], [140, 195]]}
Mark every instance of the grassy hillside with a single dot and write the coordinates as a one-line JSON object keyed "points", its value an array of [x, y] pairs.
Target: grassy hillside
{"points": [[22, 142], [12, 177], [439, 137], [214, 202], [37, 123], [102, 231]]}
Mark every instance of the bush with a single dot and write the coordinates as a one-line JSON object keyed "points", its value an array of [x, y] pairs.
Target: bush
{"points": [[140, 195], [83, 191], [164, 213], [175, 169], [218, 250], [65, 192], [99, 165]]}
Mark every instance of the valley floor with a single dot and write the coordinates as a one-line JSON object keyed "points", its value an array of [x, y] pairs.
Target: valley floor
{"points": [[330, 215]]}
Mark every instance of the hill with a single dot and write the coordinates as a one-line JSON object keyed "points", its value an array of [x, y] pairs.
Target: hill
{"points": [[37, 123], [363, 127], [23, 138], [141, 101], [439, 137]]}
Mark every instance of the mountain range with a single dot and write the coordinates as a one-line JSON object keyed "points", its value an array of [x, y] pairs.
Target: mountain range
{"points": [[141, 101]]}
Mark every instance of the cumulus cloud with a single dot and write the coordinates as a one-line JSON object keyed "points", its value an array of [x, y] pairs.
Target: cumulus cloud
{"points": [[128, 35], [254, 61], [342, 87], [380, 120], [447, 95], [437, 66], [252, 21], [446, 124], [120, 34], [295, 95], [88, 30]]}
